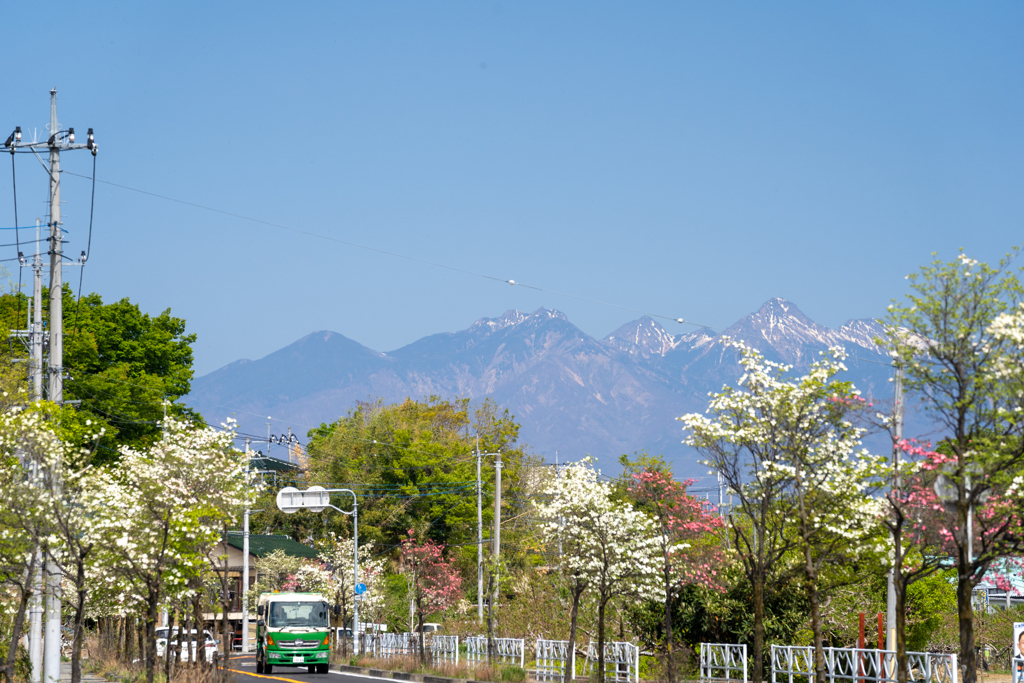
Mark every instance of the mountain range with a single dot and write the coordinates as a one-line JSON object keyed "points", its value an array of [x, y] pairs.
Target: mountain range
{"points": [[569, 391]]}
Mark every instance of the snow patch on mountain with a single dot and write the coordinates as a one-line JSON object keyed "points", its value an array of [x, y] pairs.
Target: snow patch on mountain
{"points": [[513, 317], [643, 337]]}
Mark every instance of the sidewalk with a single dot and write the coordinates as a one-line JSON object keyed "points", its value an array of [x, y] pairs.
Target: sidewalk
{"points": [[65, 675]]}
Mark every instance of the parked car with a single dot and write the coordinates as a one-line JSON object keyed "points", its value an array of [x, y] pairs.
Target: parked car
{"points": [[432, 627], [209, 645]]}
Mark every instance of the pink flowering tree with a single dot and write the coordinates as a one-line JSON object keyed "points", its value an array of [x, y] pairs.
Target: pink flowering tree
{"points": [[689, 551], [436, 582]]}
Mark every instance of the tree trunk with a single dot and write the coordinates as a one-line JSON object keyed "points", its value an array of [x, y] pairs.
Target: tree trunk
{"points": [[577, 593], [186, 627], [419, 620], [670, 665], [759, 580], [900, 586], [491, 653], [600, 638], [76, 647], [965, 615], [19, 624], [129, 639], [197, 617], [168, 653], [811, 577], [148, 646]]}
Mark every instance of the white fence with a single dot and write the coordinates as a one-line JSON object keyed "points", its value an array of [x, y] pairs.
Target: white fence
{"points": [[508, 650], [621, 661], [722, 661], [860, 666], [386, 645], [552, 658], [442, 648]]}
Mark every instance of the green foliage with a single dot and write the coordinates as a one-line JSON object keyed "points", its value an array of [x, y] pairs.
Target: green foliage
{"points": [[22, 663], [929, 601], [121, 363], [511, 674], [396, 602], [413, 467], [704, 615]]}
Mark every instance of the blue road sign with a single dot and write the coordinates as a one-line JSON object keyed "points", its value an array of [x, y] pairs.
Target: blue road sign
{"points": [[360, 588]]}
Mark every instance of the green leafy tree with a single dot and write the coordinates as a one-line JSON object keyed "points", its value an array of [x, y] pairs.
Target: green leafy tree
{"points": [[121, 363], [960, 338], [412, 465]]}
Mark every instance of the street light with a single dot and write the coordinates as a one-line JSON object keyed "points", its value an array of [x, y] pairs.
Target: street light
{"points": [[317, 499]]}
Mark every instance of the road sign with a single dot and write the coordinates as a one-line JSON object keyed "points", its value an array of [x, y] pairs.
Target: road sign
{"points": [[315, 499], [360, 588]]}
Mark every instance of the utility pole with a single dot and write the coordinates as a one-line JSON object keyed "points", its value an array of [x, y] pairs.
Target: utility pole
{"points": [[497, 525], [479, 539], [890, 596], [561, 520], [36, 330], [59, 140], [56, 393], [51, 636], [245, 560]]}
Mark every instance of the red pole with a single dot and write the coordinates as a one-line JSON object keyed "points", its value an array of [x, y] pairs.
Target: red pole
{"points": [[880, 669], [860, 655]]}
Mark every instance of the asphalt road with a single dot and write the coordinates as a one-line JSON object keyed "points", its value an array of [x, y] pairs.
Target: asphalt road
{"points": [[244, 667]]}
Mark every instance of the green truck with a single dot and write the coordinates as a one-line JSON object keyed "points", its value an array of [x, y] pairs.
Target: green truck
{"points": [[293, 629]]}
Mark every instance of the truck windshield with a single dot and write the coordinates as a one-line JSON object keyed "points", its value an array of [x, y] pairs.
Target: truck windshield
{"points": [[309, 614]]}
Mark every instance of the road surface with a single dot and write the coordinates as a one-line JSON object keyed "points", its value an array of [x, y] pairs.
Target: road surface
{"points": [[244, 667]]}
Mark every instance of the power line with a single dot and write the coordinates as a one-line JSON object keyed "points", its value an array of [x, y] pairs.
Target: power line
{"points": [[385, 252]]}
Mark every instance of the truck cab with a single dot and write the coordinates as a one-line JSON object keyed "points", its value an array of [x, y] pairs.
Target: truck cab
{"points": [[293, 629]]}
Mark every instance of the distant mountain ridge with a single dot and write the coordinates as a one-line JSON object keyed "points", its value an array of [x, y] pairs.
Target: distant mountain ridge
{"points": [[569, 391]]}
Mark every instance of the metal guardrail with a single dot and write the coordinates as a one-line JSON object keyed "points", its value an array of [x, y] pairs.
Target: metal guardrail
{"points": [[621, 661], [553, 657], [508, 650], [859, 666], [723, 661]]}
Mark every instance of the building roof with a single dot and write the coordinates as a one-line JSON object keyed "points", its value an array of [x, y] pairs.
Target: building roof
{"points": [[264, 462], [264, 544]]}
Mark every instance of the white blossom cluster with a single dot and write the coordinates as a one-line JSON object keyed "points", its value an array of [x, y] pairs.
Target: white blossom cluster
{"points": [[791, 436], [605, 542]]}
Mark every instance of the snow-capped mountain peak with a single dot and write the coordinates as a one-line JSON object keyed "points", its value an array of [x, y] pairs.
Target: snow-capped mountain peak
{"points": [[643, 337]]}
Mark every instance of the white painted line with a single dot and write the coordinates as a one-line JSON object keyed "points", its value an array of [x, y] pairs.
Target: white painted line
{"points": [[372, 678]]}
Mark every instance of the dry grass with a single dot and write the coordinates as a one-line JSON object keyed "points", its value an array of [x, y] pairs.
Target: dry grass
{"points": [[104, 663]]}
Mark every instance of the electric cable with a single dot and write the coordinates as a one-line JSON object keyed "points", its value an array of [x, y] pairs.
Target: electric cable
{"points": [[393, 254], [78, 306], [92, 204]]}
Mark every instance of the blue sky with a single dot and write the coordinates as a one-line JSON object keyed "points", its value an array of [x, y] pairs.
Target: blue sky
{"points": [[686, 159]]}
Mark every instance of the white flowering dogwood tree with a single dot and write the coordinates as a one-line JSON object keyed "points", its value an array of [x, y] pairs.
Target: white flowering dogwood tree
{"points": [[161, 511], [786, 448], [605, 546], [336, 556], [48, 506]]}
